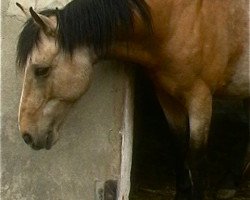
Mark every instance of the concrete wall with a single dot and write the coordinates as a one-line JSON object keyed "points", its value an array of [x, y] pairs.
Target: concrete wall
{"points": [[89, 149]]}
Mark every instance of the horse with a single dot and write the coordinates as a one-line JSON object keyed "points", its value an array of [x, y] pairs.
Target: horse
{"points": [[192, 51]]}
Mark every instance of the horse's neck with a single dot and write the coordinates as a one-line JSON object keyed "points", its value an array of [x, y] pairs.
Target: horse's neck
{"points": [[132, 52], [137, 47]]}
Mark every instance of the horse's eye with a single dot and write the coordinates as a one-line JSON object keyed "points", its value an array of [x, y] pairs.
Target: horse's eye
{"points": [[42, 71]]}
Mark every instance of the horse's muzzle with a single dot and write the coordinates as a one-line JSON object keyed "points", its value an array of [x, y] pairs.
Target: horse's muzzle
{"points": [[41, 143]]}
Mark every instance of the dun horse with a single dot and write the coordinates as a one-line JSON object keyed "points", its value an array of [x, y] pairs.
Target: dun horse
{"points": [[192, 50]]}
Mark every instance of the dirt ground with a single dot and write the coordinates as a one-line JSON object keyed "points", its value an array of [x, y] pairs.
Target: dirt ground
{"points": [[153, 171]]}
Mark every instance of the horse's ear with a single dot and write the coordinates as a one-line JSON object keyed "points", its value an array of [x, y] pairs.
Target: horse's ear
{"points": [[24, 10], [47, 24]]}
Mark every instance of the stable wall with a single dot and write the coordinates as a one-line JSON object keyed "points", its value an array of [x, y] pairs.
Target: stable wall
{"points": [[94, 135]]}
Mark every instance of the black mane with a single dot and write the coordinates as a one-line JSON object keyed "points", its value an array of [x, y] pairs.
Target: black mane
{"points": [[93, 23]]}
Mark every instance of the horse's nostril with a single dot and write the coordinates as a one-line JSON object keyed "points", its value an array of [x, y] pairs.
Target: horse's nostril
{"points": [[27, 138]]}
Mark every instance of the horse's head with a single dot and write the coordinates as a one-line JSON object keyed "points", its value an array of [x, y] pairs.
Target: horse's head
{"points": [[53, 80]]}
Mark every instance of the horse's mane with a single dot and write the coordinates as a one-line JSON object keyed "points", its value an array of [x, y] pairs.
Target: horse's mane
{"points": [[93, 23]]}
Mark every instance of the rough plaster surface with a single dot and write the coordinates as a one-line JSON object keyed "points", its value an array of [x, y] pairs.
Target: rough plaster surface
{"points": [[90, 144]]}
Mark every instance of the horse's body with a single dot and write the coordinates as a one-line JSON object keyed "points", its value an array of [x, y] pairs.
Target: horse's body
{"points": [[198, 39], [190, 49]]}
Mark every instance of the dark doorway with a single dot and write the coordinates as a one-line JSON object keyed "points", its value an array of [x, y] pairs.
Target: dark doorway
{"points": [[152, 175]]}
